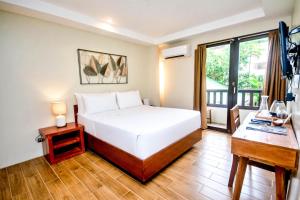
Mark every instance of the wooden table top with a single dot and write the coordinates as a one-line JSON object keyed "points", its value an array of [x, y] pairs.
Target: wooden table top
{"points": [[288, 141], [53, 130]]}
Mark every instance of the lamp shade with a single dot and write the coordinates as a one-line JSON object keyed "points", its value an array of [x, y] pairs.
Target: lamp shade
{"points": [[59, 108]]}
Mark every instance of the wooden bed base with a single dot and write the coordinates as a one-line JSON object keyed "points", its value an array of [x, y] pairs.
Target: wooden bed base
{"points": [[145, 169]]}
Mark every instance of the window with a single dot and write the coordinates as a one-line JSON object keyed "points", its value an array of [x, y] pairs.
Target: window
{"points": [[253, 58], [235, 72], [217, 74]]}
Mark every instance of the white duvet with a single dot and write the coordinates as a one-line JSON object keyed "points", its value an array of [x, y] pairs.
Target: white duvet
{"points": [[143, 130]]}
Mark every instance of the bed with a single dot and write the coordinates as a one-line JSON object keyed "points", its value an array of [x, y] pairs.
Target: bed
{"points": [[141, 140]]}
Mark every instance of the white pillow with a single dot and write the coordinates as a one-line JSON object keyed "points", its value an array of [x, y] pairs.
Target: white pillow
{"points": [[129, 99], [80, 103], [95, 103]]}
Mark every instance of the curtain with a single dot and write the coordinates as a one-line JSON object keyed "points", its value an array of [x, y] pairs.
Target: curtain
{"points": [[200, 83], [275, 86]]}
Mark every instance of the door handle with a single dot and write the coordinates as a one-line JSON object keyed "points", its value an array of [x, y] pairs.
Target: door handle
{"points": [[233, 87]]}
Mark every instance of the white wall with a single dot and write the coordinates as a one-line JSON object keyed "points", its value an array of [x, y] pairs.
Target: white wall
{"points": [[151, 75], [219, 115], [179, 76], [179, 72], [295, 183], [39, 63], [296, 14]]}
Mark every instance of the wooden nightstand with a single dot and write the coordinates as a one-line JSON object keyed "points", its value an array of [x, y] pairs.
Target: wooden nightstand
{"points": [[62, 143]]}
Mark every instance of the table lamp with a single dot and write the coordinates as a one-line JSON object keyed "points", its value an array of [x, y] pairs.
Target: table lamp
{"points": [[146, 102], [59, 109]]}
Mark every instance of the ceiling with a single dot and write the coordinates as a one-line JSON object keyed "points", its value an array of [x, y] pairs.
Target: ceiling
{"points": [[157, 18], [150, 21]]}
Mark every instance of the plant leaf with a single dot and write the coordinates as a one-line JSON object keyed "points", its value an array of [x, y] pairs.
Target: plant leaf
{"points": [[119, 61], [89, 71], [98, 67], [104, 70], [122, 67], [113, 63], [95, 64], [125, 71]]}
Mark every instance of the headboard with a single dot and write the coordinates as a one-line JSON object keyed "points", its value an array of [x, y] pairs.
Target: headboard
{"points": [[76, 113]]}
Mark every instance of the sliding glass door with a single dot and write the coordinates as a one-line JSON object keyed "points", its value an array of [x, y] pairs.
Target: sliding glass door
{"points": [[217, 82], [253, 58], [235, 75]]}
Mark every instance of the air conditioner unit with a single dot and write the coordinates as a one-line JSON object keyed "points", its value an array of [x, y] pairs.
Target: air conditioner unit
{"points": [[179, 51]]}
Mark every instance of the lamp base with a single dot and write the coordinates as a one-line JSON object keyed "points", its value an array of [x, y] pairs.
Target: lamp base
{"points": [[146, 102], [60, 121]]}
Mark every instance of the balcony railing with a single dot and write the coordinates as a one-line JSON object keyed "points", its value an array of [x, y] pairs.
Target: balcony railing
{"points": [[247, 98]]}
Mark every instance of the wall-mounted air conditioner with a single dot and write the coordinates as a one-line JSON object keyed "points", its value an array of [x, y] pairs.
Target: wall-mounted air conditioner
{"points": [[174, 52]]}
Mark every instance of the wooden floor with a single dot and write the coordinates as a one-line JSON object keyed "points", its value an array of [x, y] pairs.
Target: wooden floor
{"points": [[202, 173]]}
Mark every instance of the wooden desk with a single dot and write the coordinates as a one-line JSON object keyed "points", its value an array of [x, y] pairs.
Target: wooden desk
{"points": [[280, 151]]}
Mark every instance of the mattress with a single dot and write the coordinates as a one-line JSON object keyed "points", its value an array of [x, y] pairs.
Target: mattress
{"points": [[141, 131]]}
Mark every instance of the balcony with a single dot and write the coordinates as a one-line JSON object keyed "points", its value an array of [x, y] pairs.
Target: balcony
{"points": [[248, 100]]}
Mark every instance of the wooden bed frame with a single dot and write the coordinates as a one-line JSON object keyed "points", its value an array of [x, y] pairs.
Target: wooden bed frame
{"points": [[145, 169]]}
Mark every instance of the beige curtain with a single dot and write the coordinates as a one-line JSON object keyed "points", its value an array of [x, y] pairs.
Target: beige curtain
{"points": [[200, 83], [275, 86]]}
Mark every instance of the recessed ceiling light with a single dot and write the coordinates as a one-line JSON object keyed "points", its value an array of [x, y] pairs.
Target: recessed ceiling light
{"points": [[105, 26], [109, 20]]}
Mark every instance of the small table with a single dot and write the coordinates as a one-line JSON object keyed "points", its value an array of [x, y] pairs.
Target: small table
{"points": [[62, 143], [280, 151]]}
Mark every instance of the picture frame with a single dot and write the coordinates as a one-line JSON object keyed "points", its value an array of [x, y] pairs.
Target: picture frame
{"points": [[102, 68]]}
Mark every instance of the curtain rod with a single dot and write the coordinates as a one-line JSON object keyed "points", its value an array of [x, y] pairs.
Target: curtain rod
{"points": [[238, 37]]}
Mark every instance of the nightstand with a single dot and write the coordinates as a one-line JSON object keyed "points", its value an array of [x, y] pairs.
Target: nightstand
{"points": [[62, 143]]}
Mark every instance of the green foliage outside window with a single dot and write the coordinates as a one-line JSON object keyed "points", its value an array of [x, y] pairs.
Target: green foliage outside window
{"points": [[217, 63]]}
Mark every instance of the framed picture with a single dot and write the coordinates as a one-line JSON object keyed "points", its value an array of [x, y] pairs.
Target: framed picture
{"points": [[102, 68]]}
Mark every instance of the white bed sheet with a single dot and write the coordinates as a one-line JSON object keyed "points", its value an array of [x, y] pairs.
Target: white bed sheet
{"points": [[143, 130]]}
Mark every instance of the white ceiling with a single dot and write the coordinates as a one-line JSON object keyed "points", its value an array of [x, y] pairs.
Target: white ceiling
{"points": [[157, 18], [150, 21]]}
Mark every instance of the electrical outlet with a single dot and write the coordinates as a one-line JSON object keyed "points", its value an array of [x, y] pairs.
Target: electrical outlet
{"points": [[39, 139]]}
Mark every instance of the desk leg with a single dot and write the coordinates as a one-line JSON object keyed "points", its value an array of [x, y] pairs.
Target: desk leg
{"points": [[280, 185], [235, 160], [287, 176], [240, 178]]}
